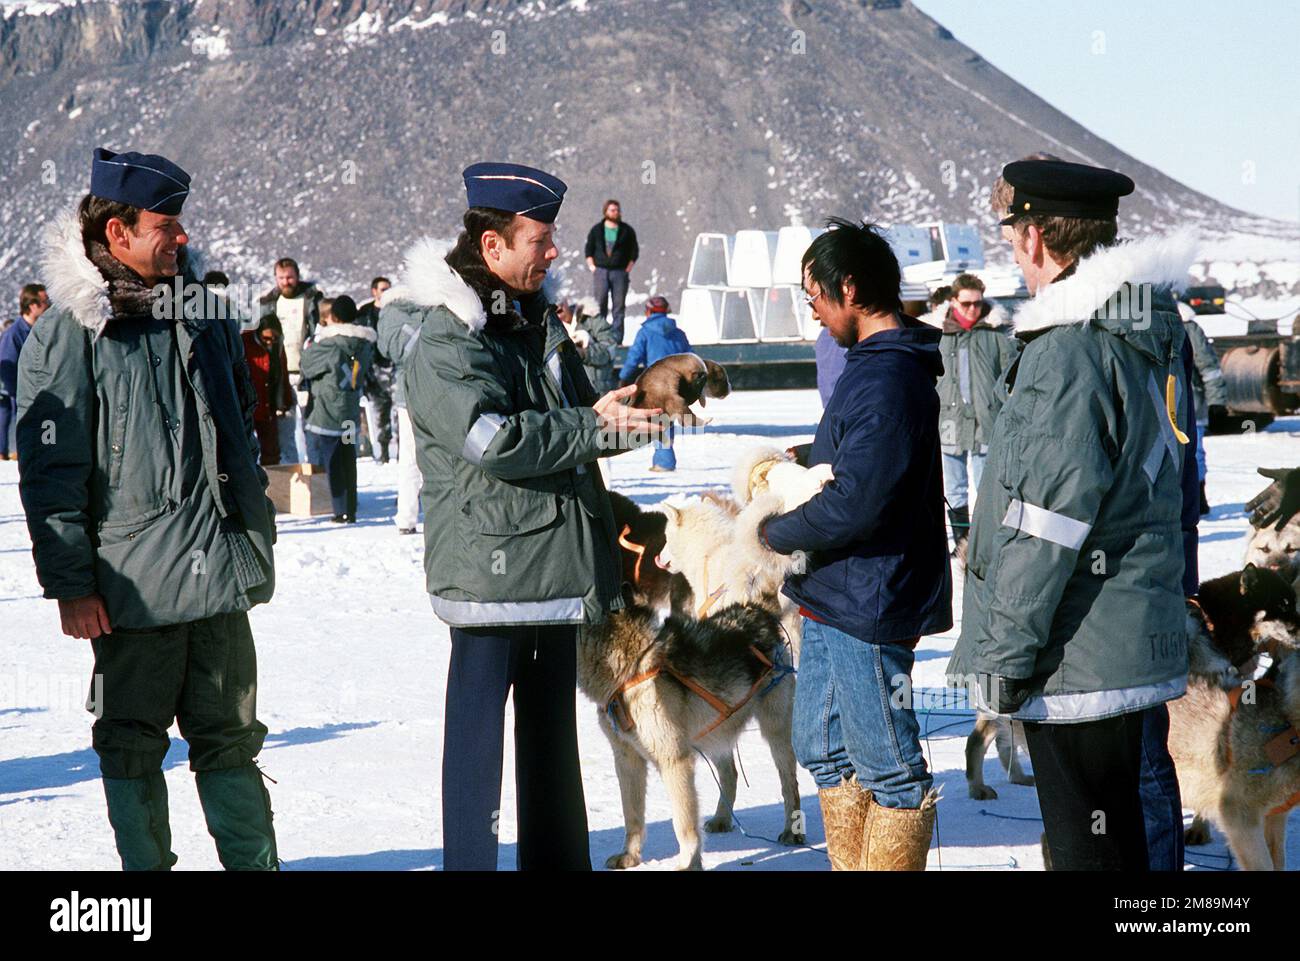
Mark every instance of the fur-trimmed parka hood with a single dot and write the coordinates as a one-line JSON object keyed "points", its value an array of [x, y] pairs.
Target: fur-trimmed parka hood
{"points": [[326, 331], [1160, 261], [427, 280], [75, 284]]}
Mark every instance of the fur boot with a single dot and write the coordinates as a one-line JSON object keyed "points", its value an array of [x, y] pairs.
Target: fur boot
{"points": [[846, 814], [898, 839]]}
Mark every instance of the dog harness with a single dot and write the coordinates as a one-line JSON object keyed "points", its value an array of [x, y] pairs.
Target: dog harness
{"points": [[1279, 750], [617, 705], [635, 548]]}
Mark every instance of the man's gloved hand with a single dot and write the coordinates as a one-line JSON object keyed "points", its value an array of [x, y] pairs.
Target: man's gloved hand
{"points": [[1007, 694], [1278, 502], [800, 453]]}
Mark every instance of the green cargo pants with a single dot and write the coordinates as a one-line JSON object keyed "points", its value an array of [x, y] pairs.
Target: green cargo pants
{"points": [[202, 674]]}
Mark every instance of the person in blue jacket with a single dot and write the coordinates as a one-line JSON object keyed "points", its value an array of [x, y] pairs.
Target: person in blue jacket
{"points": [[877, 575], [32, 302], [658, 338]]}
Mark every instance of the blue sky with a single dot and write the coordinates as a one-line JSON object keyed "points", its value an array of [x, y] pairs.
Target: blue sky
{"points": [[1206, 91]]}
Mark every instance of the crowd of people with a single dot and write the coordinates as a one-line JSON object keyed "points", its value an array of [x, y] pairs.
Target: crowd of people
{"points": [[1078, 553]]}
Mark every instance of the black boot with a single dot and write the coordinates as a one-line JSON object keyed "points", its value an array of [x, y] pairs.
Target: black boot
{"points": [[137, 809], [959, 519], [238, 811], [1205, 504]]}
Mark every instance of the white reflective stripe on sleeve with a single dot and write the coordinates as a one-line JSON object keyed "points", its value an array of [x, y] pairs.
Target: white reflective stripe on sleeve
{"points": [[1212, 375], [480, 435], [1087, 705], [1048, 525]]}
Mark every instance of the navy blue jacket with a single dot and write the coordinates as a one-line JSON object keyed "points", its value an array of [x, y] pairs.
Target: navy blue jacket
{"points": [[11, 345], [878, 554], [658, 338]]}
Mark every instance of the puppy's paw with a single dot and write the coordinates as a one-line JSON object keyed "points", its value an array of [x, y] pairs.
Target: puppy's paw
{"points": [[718, 824], [617, 862], [1027, 780], [981, 792], [791, 838]]}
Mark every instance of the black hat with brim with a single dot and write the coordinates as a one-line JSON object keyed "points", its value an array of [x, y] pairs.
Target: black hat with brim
{"points": [[1057, 188]]}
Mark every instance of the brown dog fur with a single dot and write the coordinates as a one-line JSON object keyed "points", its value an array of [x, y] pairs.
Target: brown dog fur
{"points": [[677, 381]]}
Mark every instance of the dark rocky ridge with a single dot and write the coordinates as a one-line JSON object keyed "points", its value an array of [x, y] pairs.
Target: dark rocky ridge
{"points": [[339, 147]]}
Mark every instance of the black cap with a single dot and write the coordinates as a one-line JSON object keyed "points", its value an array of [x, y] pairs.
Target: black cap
{"points": [[1055, 188]]}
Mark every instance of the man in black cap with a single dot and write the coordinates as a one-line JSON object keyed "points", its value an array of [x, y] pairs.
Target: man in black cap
{"points": [[520, 542], [147, 509], [1073, 607]]}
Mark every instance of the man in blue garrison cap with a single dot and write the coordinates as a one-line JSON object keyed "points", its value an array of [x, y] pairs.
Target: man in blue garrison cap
{"points": [[147, 509], [520, 542]]}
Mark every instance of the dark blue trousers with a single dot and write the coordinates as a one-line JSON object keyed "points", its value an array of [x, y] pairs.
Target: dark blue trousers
{"points": [[340, 462], [538, 665], [611, 293], [8, 408], [1162, 807]]}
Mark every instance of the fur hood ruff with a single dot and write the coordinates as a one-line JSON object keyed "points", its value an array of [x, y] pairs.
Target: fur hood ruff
{"points": [[1161, 261], [74, 283]]}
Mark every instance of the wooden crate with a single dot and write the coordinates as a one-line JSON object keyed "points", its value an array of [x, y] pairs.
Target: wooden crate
{"points": [[299, 489]]}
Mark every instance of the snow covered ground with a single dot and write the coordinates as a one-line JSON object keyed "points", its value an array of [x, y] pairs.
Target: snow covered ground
{"points": [[352, 674]]}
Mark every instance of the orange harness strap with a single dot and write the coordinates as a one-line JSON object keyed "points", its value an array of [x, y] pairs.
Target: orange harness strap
{"points": [[1195, 603], [635, 548], [618, 707]]}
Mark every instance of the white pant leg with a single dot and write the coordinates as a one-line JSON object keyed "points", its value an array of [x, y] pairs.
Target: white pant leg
{"points": [[408, 473]]}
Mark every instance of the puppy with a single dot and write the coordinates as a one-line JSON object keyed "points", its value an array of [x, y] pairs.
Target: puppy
{"points": [[676, 382]]}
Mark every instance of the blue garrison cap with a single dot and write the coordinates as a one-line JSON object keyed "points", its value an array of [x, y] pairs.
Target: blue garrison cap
{"points": [[142, 180], [516, 189]]}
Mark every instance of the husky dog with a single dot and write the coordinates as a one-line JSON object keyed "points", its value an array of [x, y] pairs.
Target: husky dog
{"points": [[640, 540], [649, 683], [675, 382], [1279, 550], [1221, 750], [1008, 734], [770, 470]]}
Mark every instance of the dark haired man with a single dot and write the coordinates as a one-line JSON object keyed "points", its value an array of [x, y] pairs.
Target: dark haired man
{"points": [[148, 512], [611, 253], [379, 392], [977, 351], [1073, 607], [520, 542], [32, 302], [295, 303], [878, 576]]}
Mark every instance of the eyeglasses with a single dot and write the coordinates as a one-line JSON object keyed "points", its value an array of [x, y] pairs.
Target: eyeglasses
{"points": [[809, 300], [970, 303]]}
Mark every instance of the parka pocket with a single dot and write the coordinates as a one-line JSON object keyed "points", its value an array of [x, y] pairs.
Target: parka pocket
{"points": [[128, 528], [512, 512]]}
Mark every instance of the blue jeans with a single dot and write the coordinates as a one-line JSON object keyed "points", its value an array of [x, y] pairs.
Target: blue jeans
{"points": [[1162, 807], [955, 486], [1201, 428], [664, 455], [846, 721]]}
